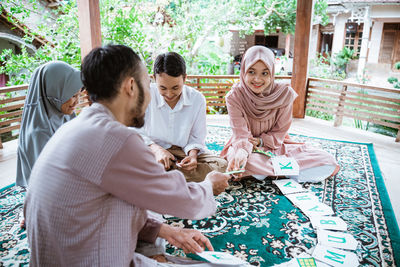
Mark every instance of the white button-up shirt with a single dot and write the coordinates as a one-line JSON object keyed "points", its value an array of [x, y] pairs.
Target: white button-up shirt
{"points": [[183, 126]]}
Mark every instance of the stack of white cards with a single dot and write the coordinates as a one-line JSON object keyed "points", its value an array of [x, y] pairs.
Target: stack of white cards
{"points": [[334, 246]]}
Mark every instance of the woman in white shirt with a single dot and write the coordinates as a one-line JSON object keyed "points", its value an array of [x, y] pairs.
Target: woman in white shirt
{"points": [[175, 121]]}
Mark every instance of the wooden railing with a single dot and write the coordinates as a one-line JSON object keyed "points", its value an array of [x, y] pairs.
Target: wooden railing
{"points": [[11, 106], [215, 88], [11, 103], [378, 105]]}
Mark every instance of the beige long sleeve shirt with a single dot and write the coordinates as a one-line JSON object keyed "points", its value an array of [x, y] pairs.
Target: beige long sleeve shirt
{"points": [[89, 191]]}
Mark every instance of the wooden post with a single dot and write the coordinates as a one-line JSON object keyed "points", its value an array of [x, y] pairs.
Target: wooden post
{"points": [[398, 136], [364, 44], [342, 98], [1, 144], [300, 60], [287, 45], [89, 25]]}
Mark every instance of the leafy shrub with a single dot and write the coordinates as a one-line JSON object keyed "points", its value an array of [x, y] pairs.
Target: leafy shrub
{"points": [[320, 67], [342, 58], [319, 114], [392, 80], [195, 29]]}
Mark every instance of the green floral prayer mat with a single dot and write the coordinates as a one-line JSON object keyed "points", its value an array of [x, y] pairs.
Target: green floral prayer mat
{"points": [[13, 242], [255, 222]]}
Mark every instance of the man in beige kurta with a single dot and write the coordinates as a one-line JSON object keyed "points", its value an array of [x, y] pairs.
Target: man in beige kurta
{"points": [[94, 181]]}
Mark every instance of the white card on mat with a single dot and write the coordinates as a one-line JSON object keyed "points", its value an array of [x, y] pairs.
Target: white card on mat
{"points": [[221, 258], [285, 166], [328, 223], [289, 186], [302, 197], [334, 256], [312, 209], [336, 239], [300, 261]]}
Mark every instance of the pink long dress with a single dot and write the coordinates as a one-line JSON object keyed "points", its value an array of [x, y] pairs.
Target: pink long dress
{"points": [[274, 133], [269, 115]]}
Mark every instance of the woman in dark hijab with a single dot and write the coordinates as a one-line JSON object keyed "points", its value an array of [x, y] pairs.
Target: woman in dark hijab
{"points": [[52, 96]]}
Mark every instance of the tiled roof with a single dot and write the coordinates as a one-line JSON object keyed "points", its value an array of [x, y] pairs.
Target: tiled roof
{"points": [[18, 28]]}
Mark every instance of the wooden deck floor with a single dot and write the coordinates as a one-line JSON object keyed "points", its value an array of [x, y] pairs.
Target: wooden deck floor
{"points": [[387, 151]]}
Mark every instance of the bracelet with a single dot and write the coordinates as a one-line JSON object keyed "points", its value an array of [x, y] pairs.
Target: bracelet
{"points": [[261, 142]]}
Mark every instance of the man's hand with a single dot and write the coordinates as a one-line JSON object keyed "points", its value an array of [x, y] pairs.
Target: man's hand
{"points": [[190, 240], [219, 181], [162, 155], [238, 162], [189, 163]]}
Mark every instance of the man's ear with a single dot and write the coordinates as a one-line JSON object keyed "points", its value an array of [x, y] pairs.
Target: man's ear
{"points": [[129, 86], [184, 78]]}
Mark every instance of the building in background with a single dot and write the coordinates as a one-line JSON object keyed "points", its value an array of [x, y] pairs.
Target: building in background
{"points": [[371, 28], [281, 44]]}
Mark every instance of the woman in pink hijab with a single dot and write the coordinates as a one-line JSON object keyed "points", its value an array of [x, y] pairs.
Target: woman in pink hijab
{"points": [[260, 113]]}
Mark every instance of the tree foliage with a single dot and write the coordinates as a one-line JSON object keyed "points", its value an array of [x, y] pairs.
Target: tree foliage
{"points": [[197, 29], [61, 31]]}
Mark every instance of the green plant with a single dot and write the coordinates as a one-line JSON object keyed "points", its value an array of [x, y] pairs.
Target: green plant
{"points": [[193, 29], [2, 97], [397, 65], [319, 115], [392, 80], [61, 32], [320, 67], [358, 124], [364, 78], [381, 129], [342, 58]]}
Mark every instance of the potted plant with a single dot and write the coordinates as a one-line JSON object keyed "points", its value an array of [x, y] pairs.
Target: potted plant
{"points": [[343, 58]]}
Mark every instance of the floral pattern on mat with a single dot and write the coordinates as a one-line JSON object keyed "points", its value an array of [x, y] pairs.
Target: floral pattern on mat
{"points": [[255, 222]]}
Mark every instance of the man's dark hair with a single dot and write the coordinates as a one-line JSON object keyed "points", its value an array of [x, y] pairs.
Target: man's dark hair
{"points": [[104, 69], [170, 63]]}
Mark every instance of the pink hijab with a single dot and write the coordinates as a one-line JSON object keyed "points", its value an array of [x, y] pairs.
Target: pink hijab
{"points": [[260, 107]]}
